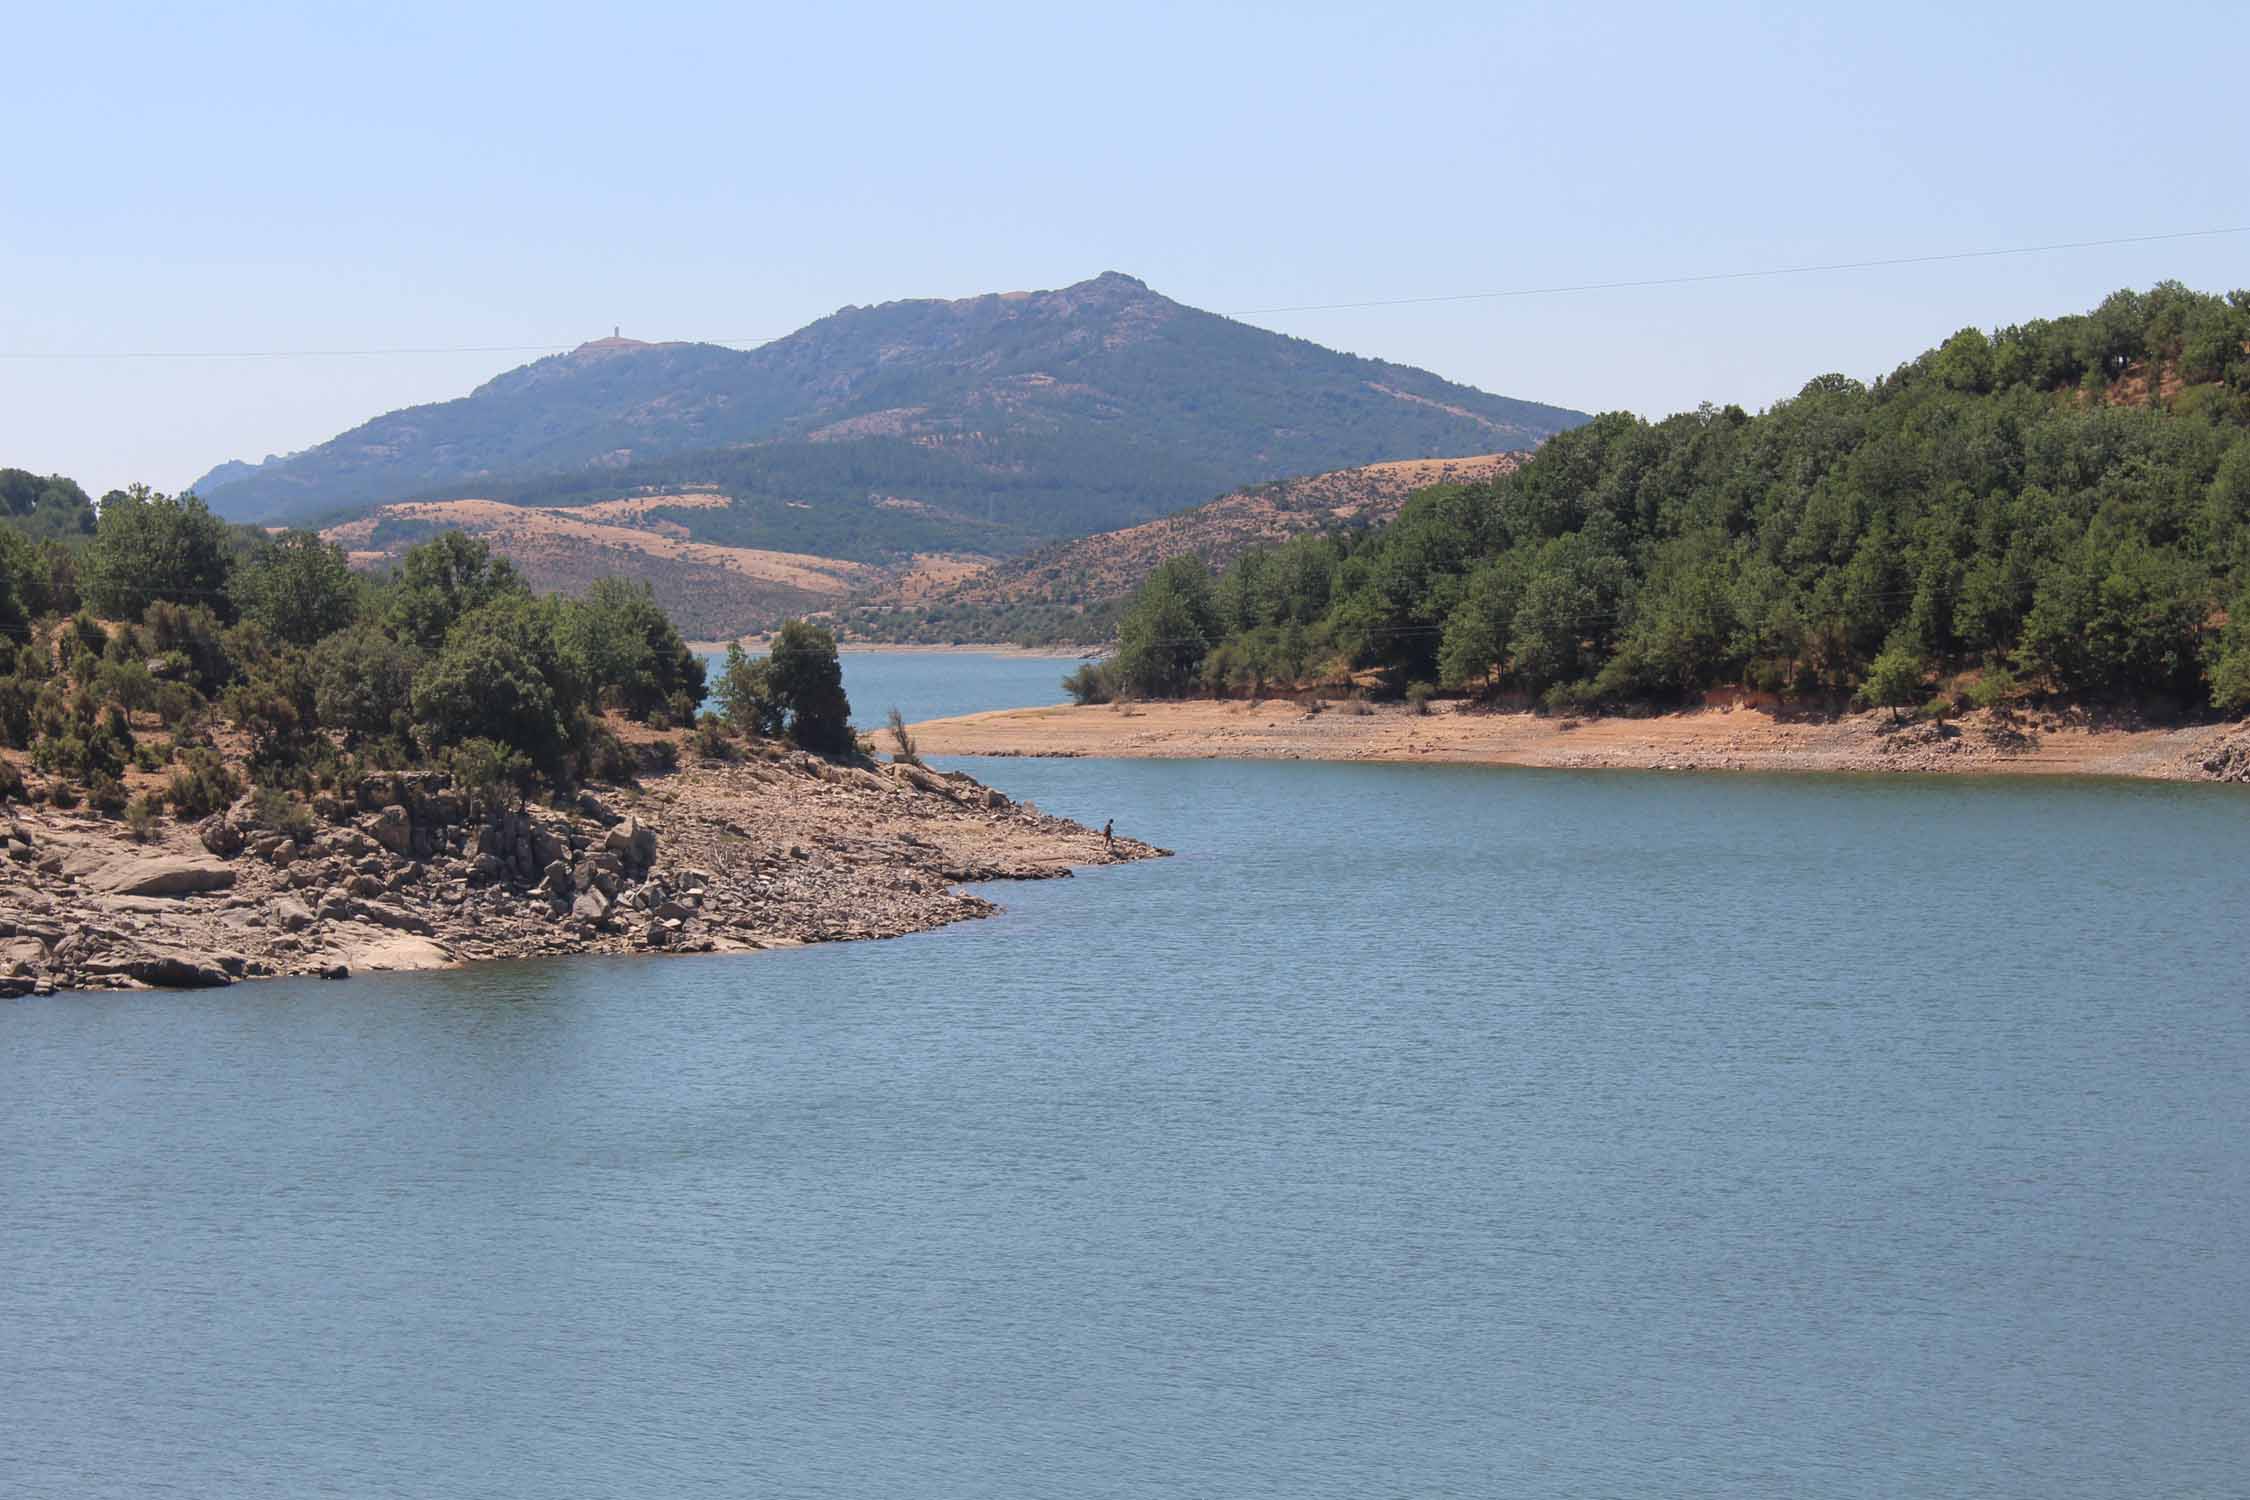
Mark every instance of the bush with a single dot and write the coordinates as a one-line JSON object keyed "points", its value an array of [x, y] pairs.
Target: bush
{"points": [[17, 696], [1093, 682], [494, 776], [902, 743], [140, 816], [276, 810], [661, 755], [11, 782], [607, 759], [275, 708], [711, 740], [1418, 695], [201, 784], [61, 794], [105, 794]]}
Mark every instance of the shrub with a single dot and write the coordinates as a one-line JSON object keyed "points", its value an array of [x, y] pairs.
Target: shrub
{"points": [[902, 743], [607, 759], [1995, 687], [176, 704], [17, 695], [61, 794], [11, 782], [1093, 682], [1418, 695], [711, 741], [493, 775], [201, 784], [105, 794], [140, 816], [275, 708], [661, 755], [275, 809]]}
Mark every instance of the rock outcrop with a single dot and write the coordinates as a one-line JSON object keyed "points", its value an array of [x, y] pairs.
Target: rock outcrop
{"points": [[777, 848]]}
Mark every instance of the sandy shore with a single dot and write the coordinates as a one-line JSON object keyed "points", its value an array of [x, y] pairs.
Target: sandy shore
{"points": [[1731, 739]]}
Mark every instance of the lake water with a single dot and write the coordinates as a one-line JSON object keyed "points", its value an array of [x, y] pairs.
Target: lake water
{"points": [[942, 684], [1417, 1131]]}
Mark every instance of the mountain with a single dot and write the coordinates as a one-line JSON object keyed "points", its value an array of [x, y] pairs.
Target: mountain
{"points": [[1072, 591], [983, 425]]}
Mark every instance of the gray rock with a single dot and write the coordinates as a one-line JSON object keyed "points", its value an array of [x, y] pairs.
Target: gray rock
{"points": [[291, 914], [160, 875], [391, 828], [170, 969], [382, 914], [591, 906], [219, 835]]}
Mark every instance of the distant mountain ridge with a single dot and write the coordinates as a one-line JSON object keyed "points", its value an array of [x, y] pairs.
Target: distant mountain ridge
{"points": [[986, 424]]}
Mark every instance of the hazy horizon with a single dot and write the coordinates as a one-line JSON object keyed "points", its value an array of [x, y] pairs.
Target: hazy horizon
{"points": [[271, 181]]}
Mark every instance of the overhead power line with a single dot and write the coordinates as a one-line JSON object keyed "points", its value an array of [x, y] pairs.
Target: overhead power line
{"points": [[1562, 289]]}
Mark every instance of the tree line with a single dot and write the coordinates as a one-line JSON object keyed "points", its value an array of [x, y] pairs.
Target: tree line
{"points": [[2061, 507], [156, 636]]}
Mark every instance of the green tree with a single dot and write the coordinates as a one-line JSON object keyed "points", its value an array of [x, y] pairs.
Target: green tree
{"points": [[1167, 630], [808, 679], [1894, 679], [363, 683], [626, 649], [746, 695], [298, 587], [486, 684], [443, 579], [149, 547]]}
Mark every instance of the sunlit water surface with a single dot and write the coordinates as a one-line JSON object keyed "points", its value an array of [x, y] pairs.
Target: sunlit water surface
{"points": [[1416, 1131]]}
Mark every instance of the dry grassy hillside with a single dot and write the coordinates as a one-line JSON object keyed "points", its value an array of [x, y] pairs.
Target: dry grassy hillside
{"points": [[1043, 591], [712, 591]]}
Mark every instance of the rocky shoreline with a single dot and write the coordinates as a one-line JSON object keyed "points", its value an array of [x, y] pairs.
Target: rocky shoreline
{"points": [[777, 848]]}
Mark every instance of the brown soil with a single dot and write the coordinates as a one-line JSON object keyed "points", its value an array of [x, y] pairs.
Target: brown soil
{"points": [[1730, 739]]}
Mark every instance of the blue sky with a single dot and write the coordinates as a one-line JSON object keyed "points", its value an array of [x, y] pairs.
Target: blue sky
{"points": [[310, 177]]}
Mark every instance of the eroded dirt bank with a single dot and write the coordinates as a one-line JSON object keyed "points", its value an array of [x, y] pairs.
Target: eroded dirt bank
{"points": [[715, 857], [1711, 739]]}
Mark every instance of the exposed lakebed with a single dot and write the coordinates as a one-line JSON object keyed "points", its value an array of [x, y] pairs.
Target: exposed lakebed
{"points": [[1416, 1130]]}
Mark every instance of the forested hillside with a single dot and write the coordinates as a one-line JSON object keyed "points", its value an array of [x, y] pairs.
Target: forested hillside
{"points": [[1072, 592], [2061, 507], [151, 664], [982, 424]]}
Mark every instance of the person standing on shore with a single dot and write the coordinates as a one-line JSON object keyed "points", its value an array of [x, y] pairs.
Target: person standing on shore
{"points": [[1109, 839]]}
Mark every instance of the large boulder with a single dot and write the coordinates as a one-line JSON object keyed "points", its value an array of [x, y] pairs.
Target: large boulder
{"points": [[290, 914], [391, 828], [633, 843], [219, 835], [160, 875], [382, 914], [172, 969]]}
